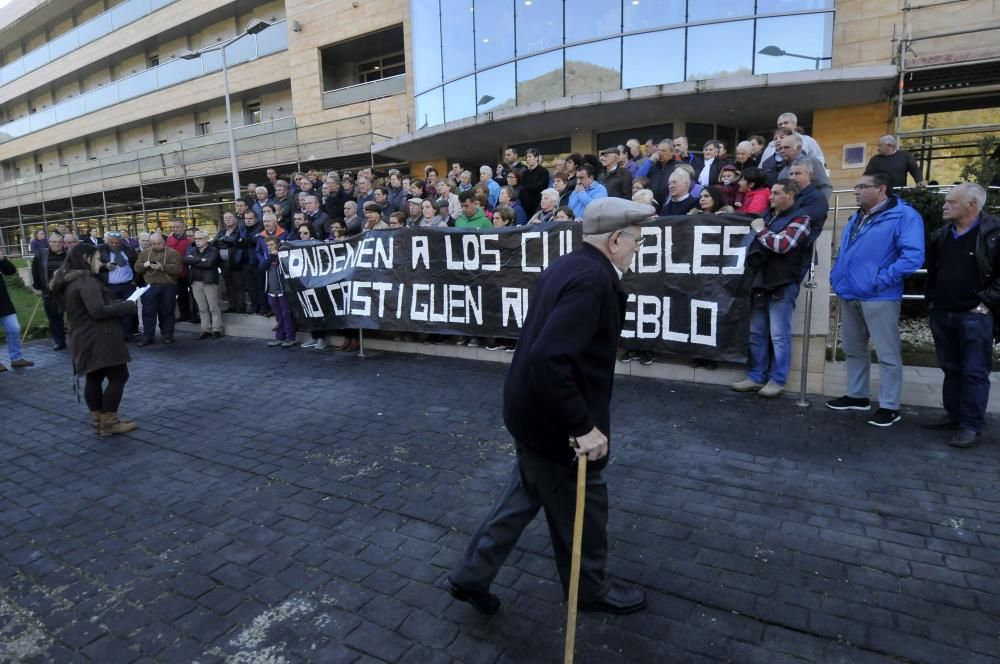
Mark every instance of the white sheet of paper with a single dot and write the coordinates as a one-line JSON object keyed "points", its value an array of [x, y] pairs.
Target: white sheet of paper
{"points": [[137, 293]]}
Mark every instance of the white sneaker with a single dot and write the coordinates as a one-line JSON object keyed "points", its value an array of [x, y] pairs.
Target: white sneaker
{"points": [[311, 344], [746, 385], [319, 345], [771, 390]]}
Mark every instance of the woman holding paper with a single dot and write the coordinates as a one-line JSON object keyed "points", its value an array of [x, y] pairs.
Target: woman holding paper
{"points": [[99, 352]]}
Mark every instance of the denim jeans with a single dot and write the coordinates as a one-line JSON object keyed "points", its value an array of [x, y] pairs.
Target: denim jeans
{"points": [[771, 334], [13, 330], [964, 344]]}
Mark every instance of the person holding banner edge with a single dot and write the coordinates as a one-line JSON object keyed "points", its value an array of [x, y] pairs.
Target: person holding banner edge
{"points": [[559, 387]]}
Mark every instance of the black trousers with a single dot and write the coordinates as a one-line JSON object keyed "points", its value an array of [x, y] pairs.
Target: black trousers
{"points": [[101, 399], [183, 298], [536, 483], [130, 322], [253, 282], [233, 276], [57, 324]]}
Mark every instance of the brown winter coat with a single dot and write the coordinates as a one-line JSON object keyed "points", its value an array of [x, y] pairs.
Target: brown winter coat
{"points": [[95, 333], [170, 262]]}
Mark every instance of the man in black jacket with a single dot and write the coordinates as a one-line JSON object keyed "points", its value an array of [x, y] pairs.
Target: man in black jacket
{"points": [[963, 287], [558, 393], [119, 259], [616, 179], [233, 243], [43, 266], [318, 220]]}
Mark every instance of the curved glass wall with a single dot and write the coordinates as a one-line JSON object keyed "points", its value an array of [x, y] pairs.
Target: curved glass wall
{"points": [[102, 24], [475, 56], [272, 39]]}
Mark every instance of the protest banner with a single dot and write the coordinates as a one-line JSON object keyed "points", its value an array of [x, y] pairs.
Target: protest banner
{"points": [[687, 289]]}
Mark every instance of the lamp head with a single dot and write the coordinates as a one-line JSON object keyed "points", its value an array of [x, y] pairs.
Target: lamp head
{"points": [[256, 25]]}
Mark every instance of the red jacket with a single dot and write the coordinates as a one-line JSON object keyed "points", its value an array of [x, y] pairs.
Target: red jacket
{"points": [[180, 246], [756, 201]]}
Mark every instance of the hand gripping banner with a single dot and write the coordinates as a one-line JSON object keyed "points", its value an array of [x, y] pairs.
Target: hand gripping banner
{"points": [[688, 293]]}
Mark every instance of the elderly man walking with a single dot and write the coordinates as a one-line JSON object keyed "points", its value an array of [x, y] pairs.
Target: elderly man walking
{"points": [[963, 289], [882, 243], [558, 390]]}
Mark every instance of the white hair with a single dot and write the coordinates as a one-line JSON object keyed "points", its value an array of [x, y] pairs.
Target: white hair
{"points": [[260, 189], [788, 115], [888, 139], [486, 169], [552, 195], [681, 174], [644, 196], [744, 145], [972, 192]]}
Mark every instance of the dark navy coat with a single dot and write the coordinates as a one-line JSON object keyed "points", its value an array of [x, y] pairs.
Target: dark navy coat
{"points": [[559, 383]]}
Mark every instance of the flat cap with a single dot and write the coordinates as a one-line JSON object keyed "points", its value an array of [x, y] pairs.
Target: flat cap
{"points": [[417, 201], [606, 215]]}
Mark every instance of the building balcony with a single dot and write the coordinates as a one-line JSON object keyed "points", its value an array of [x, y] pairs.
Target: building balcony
{"points": [[276, 141], [249, 47], [384, 87], [116, 18]]}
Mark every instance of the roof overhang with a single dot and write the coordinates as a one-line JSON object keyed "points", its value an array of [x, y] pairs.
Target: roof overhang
{"points": [[738, 101]]}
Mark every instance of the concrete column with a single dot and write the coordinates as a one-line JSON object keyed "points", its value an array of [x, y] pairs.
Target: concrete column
{"points": [[582, 141]]}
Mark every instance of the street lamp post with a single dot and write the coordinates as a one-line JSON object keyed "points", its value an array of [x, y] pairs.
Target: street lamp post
{"points": [[778, 52], [253, 27]]}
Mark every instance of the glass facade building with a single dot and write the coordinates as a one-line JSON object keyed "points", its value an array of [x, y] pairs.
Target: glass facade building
{"points": [[475, 56]]}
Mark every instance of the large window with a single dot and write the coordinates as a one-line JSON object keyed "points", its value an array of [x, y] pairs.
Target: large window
{"points": [[426, 45], [364, 59], [593, 67], [494, 33], [483, 55], [539, 26]]}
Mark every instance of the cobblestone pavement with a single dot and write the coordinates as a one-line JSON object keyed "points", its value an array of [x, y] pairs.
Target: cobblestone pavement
{"points": [[290, 506]]}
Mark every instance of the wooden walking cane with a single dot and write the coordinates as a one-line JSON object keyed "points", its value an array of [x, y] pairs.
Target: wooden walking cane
{"points": [[31, 319], [574, 573]]}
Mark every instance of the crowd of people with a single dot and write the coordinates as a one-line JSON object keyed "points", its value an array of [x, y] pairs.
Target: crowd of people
{"points": [[780, 186]]}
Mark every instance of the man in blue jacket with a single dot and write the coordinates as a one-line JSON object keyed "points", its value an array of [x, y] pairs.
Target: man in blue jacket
{"points": [[882, 243], [558, 390], [588, 189]]}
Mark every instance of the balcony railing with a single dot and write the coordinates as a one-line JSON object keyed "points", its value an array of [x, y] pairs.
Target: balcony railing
{"points": [[384, 87], [247, 48], [102, 24]]}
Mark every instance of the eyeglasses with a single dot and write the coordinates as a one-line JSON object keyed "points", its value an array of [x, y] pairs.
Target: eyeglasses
{"points": [[638, 239]]}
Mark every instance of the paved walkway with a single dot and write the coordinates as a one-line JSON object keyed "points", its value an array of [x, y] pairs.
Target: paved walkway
{"points": [[294, 506]]}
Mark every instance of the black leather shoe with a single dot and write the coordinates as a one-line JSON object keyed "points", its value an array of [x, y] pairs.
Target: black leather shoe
{"points": [[943, 424], [146, 342], [487, 602], [619, 599], [204, 335], [964, 438], [59, 347], [168, 340]]}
